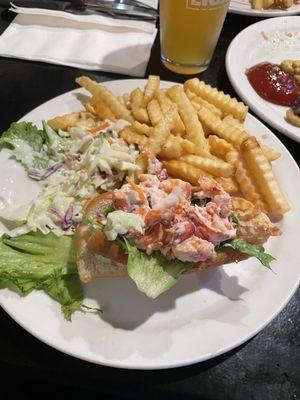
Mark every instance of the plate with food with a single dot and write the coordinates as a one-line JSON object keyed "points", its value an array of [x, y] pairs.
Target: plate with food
{"points": [[265, 8], [142, 218], [263, 65]]}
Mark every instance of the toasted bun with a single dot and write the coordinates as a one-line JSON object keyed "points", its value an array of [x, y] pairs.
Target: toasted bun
{"points": [[98, 257]]}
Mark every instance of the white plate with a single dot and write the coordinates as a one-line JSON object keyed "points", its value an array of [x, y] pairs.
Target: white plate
{"points": [[204, 315], [249, 48], [243, 7]]}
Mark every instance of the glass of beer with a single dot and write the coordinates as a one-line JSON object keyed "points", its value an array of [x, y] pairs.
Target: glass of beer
{"points": [[189, 32]]}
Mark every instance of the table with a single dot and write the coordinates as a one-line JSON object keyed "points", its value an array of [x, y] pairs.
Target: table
{"points": [[265, 368]]}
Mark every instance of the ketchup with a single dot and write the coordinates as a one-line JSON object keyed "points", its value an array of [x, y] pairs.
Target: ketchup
{"points": [[273, 84]]}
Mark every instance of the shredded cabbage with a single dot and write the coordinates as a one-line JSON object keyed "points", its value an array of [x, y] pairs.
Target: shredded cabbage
{"points": [[79, 165]]}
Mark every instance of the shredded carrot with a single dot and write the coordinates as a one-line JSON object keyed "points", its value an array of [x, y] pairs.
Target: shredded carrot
{"points": [[97, 128], [138, 190]]}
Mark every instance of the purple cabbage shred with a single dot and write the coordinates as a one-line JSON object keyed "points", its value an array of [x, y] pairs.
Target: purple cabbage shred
{"points": [[39, 174]]}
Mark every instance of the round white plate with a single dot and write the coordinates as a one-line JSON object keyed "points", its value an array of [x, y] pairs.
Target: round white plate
{"points": [[205, 314], [243, 7], [270, 40]]}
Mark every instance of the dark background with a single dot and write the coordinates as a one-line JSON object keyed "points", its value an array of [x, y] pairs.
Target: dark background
{"points": [[265, 368]]}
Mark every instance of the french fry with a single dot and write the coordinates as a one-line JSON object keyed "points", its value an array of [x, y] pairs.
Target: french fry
{"points": [[121, 100], [287, 65], [229, 184], [126, 100], [102, 110], [142, 129], [257, 4], [291, 66], [222, 129], [189, 173], [139, 113], [262, 171], [159, 134], [221, 148], [171, 149], [222, 101], [267, 3], [151, 87], [89, 108], [287, 3], [105, 95], [291, 117], [205, 128], [232, 157], [154, 112], [166, 104], [67, 121], [196, 100], [216, 166], [270, 153], [184, 171], [248, 186], [187, 145], [132, 137], [194, 130]]}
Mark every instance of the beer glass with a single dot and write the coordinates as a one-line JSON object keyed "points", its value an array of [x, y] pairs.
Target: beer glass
{"points": [[189, 31]]}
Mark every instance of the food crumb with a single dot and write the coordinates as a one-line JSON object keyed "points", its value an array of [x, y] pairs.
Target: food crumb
{"points": [[264, 35]]}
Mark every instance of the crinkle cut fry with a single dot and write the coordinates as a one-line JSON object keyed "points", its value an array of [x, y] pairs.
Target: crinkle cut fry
{"points": [[100, 91], [194, 130], [150, 89], [223, 101], [131, 137], [222, 129], [166, 104], [215, 166], [197, 101], [223, 149], [248, 186], [154, 112], [270, 153], [138, 112], [160, 133], [184, 171], [191, 174], [262, 171]]}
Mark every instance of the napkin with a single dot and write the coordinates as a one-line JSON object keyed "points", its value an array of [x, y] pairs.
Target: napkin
{"points": [[92, 42]]}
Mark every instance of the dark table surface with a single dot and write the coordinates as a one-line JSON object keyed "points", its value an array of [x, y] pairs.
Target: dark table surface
{"points": [[265, 368]]}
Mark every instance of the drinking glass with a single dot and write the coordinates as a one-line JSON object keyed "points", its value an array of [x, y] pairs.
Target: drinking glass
{"points": [[189, 32]]}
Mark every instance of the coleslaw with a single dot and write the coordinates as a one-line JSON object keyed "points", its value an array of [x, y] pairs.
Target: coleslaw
{"points": [[70, 167]]}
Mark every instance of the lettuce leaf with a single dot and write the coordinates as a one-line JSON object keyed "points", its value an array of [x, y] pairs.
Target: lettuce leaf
{"points": [[255, 250], [25, 142], [42, 262], [234, 220], [153, 274], [53, 141], [21, 133]]}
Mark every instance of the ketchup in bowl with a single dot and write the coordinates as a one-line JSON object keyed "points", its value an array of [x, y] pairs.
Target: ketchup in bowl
{"points": [[273, 84]]}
